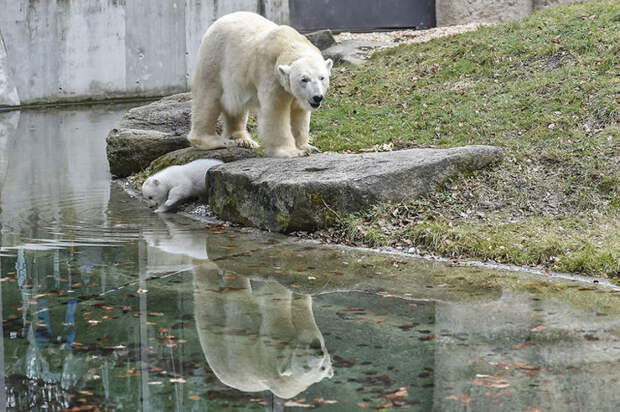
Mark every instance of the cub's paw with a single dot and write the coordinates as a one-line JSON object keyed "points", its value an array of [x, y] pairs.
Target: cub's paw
{"points": [[209, 142], [243, 139], [162, 209]]}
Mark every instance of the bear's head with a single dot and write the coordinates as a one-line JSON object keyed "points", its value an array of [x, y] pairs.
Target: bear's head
{"points": [[154, 192], [307, 79]]}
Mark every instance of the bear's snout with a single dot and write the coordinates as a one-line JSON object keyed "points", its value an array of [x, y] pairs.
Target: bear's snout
{"points": [[316, 101]]}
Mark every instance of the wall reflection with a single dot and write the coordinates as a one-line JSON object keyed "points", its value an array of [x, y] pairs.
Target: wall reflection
{"points": [[53, 168]]}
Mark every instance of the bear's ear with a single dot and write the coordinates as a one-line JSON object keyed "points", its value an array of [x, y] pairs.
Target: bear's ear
{"points": [[283, 73], [284, 70], [155, 182], [329, 63]]}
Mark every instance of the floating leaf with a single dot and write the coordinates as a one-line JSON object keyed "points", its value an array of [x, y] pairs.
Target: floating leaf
{"points": [[522, 365], [401, 393], [294, 404]]}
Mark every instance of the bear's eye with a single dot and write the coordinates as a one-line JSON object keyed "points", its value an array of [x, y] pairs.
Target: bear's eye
{"points": [[305, 79], [321, 78], [150, 197]]}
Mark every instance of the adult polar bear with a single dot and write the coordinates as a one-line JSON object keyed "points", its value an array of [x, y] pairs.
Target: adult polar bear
{"points": [[247, 62]]}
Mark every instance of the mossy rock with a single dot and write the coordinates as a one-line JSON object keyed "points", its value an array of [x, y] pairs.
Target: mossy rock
{"points": [[311, 193], [189, 154]]}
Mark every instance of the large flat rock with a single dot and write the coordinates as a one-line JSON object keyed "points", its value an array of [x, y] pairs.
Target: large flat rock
{"points": [[309, 193], [148, 132]]}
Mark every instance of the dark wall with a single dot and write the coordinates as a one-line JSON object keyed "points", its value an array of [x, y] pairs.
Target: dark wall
{"points": [[361, 15]]}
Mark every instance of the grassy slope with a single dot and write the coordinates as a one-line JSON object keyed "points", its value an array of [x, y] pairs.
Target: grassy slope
{"points": [[546, 89]]}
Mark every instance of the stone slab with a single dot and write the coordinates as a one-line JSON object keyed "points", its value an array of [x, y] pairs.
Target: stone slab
{"points": [[286, 195]]}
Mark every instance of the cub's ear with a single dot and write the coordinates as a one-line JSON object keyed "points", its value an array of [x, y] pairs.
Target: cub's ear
{"points": [[155, 182], [329, 63]]}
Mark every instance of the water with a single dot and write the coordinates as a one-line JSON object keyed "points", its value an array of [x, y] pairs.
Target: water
{"points": [[108, 306]]}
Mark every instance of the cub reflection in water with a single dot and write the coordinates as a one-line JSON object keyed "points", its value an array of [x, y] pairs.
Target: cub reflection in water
{"points": [[258, 335]]}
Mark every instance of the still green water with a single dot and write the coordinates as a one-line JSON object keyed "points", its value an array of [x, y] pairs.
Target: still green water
{"points": [[108, 306]]}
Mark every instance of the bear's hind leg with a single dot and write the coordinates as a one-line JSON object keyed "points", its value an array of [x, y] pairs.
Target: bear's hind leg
{"points": [[235, 130], [206, 109], [300, 127]]}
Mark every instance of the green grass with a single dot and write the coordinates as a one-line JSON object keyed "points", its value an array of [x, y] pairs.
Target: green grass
{"points": [[547, 89]]}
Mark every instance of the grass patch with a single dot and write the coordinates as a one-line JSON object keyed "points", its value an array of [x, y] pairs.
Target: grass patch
{"points": [[547, 89]]}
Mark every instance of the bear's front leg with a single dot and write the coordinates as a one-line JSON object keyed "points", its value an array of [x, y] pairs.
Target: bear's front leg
{"points": [[300, 127], [275, 129], [176, 195]]}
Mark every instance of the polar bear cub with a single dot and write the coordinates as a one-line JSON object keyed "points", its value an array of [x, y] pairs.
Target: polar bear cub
{"points": [[168, 188], [246, 62]]}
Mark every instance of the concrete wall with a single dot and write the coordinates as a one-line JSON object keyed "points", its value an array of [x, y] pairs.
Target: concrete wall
{"points": [[71, 50], [453, 12], [8, 93]]}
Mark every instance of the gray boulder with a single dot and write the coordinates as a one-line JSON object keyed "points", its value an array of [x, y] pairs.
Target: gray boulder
{"points": [[322, 39], [147, 132], [352, 51], [286, 195]]}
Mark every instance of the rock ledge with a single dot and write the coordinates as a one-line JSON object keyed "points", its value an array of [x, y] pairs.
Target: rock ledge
{"points": [[286, 195], [147, 132]]}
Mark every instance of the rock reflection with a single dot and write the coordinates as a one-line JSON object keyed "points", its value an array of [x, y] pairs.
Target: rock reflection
{"points": [[258, 335]]}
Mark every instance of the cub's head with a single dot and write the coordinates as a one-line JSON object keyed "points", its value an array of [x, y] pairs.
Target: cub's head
{"points": [[154, 192], [307, 79]]}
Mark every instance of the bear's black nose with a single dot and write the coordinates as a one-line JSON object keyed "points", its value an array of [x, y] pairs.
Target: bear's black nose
{"points": [[317, 99]]}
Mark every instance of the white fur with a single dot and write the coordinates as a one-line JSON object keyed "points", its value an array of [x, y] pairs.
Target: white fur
{"points": [[278, 347], [168, 188], [246, 62]]}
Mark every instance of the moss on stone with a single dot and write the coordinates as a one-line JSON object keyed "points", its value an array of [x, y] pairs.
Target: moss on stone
{"points": [[283, 220], [317, 200]]}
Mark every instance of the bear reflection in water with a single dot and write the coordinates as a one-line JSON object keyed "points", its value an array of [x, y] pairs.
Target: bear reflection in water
{"points": [[258, 335]]}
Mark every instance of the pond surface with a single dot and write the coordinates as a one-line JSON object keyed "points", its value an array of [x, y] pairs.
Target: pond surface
{"points": [[108, 306]]}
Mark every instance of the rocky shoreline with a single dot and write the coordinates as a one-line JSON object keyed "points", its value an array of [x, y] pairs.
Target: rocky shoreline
{"points": [[283, 195], [288, 195]]}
